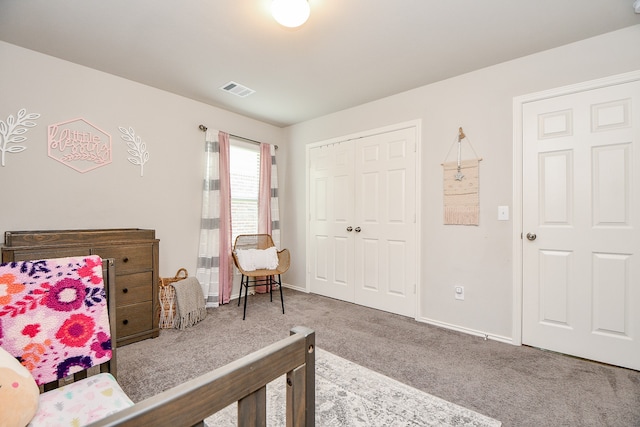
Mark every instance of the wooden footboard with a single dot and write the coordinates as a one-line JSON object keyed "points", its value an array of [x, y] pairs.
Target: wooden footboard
{"points": [[243, 381]]}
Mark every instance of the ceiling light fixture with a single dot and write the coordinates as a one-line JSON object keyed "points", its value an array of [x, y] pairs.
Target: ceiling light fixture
{"points": [[290, 13]]}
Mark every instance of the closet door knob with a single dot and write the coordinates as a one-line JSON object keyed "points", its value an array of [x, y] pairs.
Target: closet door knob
{"points": [[349, 228], [531, 236], [358, 229]]}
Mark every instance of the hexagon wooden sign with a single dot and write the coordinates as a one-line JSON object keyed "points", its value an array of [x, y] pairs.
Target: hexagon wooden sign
{"points": [[79, 144]]}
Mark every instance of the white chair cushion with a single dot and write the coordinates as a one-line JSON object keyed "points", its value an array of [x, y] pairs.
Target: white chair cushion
{"points": [[81, 403], [258, 259]]}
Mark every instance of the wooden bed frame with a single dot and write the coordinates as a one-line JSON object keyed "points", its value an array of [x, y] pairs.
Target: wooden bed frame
{"points": [[243, 381]]}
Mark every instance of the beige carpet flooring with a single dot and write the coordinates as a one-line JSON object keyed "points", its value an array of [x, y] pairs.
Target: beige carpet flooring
{"points": [[520, 386]]}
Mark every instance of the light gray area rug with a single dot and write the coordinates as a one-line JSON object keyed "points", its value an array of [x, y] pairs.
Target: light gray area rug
{"points": [[348, 394]]}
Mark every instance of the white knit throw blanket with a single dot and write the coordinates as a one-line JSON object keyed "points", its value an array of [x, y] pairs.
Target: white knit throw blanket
{"points": [[461, 197], [190, 306]]}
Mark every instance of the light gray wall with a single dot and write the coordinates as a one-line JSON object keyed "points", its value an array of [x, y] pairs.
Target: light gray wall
{"points": [[480, 258], [37, 192]]}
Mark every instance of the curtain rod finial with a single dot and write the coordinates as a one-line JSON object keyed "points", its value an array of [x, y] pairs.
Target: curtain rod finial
{"points": [[203, 128]]}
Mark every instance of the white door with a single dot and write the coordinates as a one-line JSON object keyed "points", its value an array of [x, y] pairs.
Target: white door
{"points": [[581, 219], [385, 214], [331, 213], [363, 221]]}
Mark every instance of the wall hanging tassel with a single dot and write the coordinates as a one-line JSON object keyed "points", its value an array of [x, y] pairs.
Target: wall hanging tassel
{"points": [[461, 186]]}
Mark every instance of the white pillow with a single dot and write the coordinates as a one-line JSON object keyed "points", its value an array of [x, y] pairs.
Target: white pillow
{"points": [[18, 392], [258, 259]]}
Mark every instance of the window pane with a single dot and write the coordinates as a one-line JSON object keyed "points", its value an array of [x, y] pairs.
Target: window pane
{"points": [[245, 178]]}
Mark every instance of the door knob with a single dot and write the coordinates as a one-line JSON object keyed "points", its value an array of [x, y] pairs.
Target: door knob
{"points": [[349, 228], [358, 229], [531, 236]]}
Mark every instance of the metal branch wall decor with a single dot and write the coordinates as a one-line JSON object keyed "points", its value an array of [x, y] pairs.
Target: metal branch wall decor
{"points": [[137, 148], [12, 132]]}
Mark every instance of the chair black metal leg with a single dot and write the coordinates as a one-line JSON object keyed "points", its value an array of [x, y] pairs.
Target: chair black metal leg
{"points": [[270, 288], [246, 295], [271, 282], [281, 297], [244, 283]]}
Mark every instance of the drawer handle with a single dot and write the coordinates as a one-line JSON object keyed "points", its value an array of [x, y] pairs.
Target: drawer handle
{"points": [[125, 321], [125, 290], [125, 259]]}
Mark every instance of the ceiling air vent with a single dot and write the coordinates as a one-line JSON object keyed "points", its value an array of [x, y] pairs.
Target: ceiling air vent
{"points": [[237, 89]]}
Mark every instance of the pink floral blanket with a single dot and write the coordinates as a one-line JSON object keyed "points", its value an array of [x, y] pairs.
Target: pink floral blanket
{"points": [[53, 315]]}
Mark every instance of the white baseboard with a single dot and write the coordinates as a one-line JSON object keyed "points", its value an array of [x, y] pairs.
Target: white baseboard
{"points": [[477, 333], [297, 288], [493, 337]]}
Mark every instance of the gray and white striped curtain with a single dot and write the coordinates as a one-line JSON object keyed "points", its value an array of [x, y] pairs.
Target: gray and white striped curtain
{"points": [[268, 212], [275, 212], [207, 270]]}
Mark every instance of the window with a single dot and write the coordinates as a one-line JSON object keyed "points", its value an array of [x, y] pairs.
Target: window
{"points": [[244, 165]]}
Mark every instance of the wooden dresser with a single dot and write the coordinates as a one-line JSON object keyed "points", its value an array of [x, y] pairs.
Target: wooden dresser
{"points": [[136, 264]]}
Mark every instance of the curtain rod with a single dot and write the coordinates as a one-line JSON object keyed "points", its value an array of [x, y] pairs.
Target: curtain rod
{"points": [[203, 128]]}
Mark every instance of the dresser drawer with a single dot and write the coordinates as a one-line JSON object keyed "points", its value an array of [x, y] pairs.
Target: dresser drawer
{"points": [[133, 319], [130, 258], [133, 288]]}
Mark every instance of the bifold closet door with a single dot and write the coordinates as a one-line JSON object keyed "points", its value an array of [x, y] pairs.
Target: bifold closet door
{"points": [[363, 221], [331, 213], [385, 214]]}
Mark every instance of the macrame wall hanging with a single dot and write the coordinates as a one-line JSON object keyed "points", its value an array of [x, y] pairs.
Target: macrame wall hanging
{"points": [[461, 186]]}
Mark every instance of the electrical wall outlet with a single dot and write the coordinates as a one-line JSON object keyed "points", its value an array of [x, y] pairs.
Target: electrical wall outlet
{"points": [[459, 292]]}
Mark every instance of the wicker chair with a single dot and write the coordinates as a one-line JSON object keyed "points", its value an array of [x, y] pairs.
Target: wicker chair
{"points": [[260, 277]]}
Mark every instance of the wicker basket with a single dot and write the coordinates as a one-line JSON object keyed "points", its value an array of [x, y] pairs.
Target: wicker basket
{"points": [[168, 300]]}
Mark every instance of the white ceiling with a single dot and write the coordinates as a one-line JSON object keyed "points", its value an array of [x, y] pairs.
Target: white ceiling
{"points": [[348, 53]]}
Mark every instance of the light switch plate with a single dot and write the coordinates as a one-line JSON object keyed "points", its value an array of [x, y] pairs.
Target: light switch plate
{"points": [[503, 213]]}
